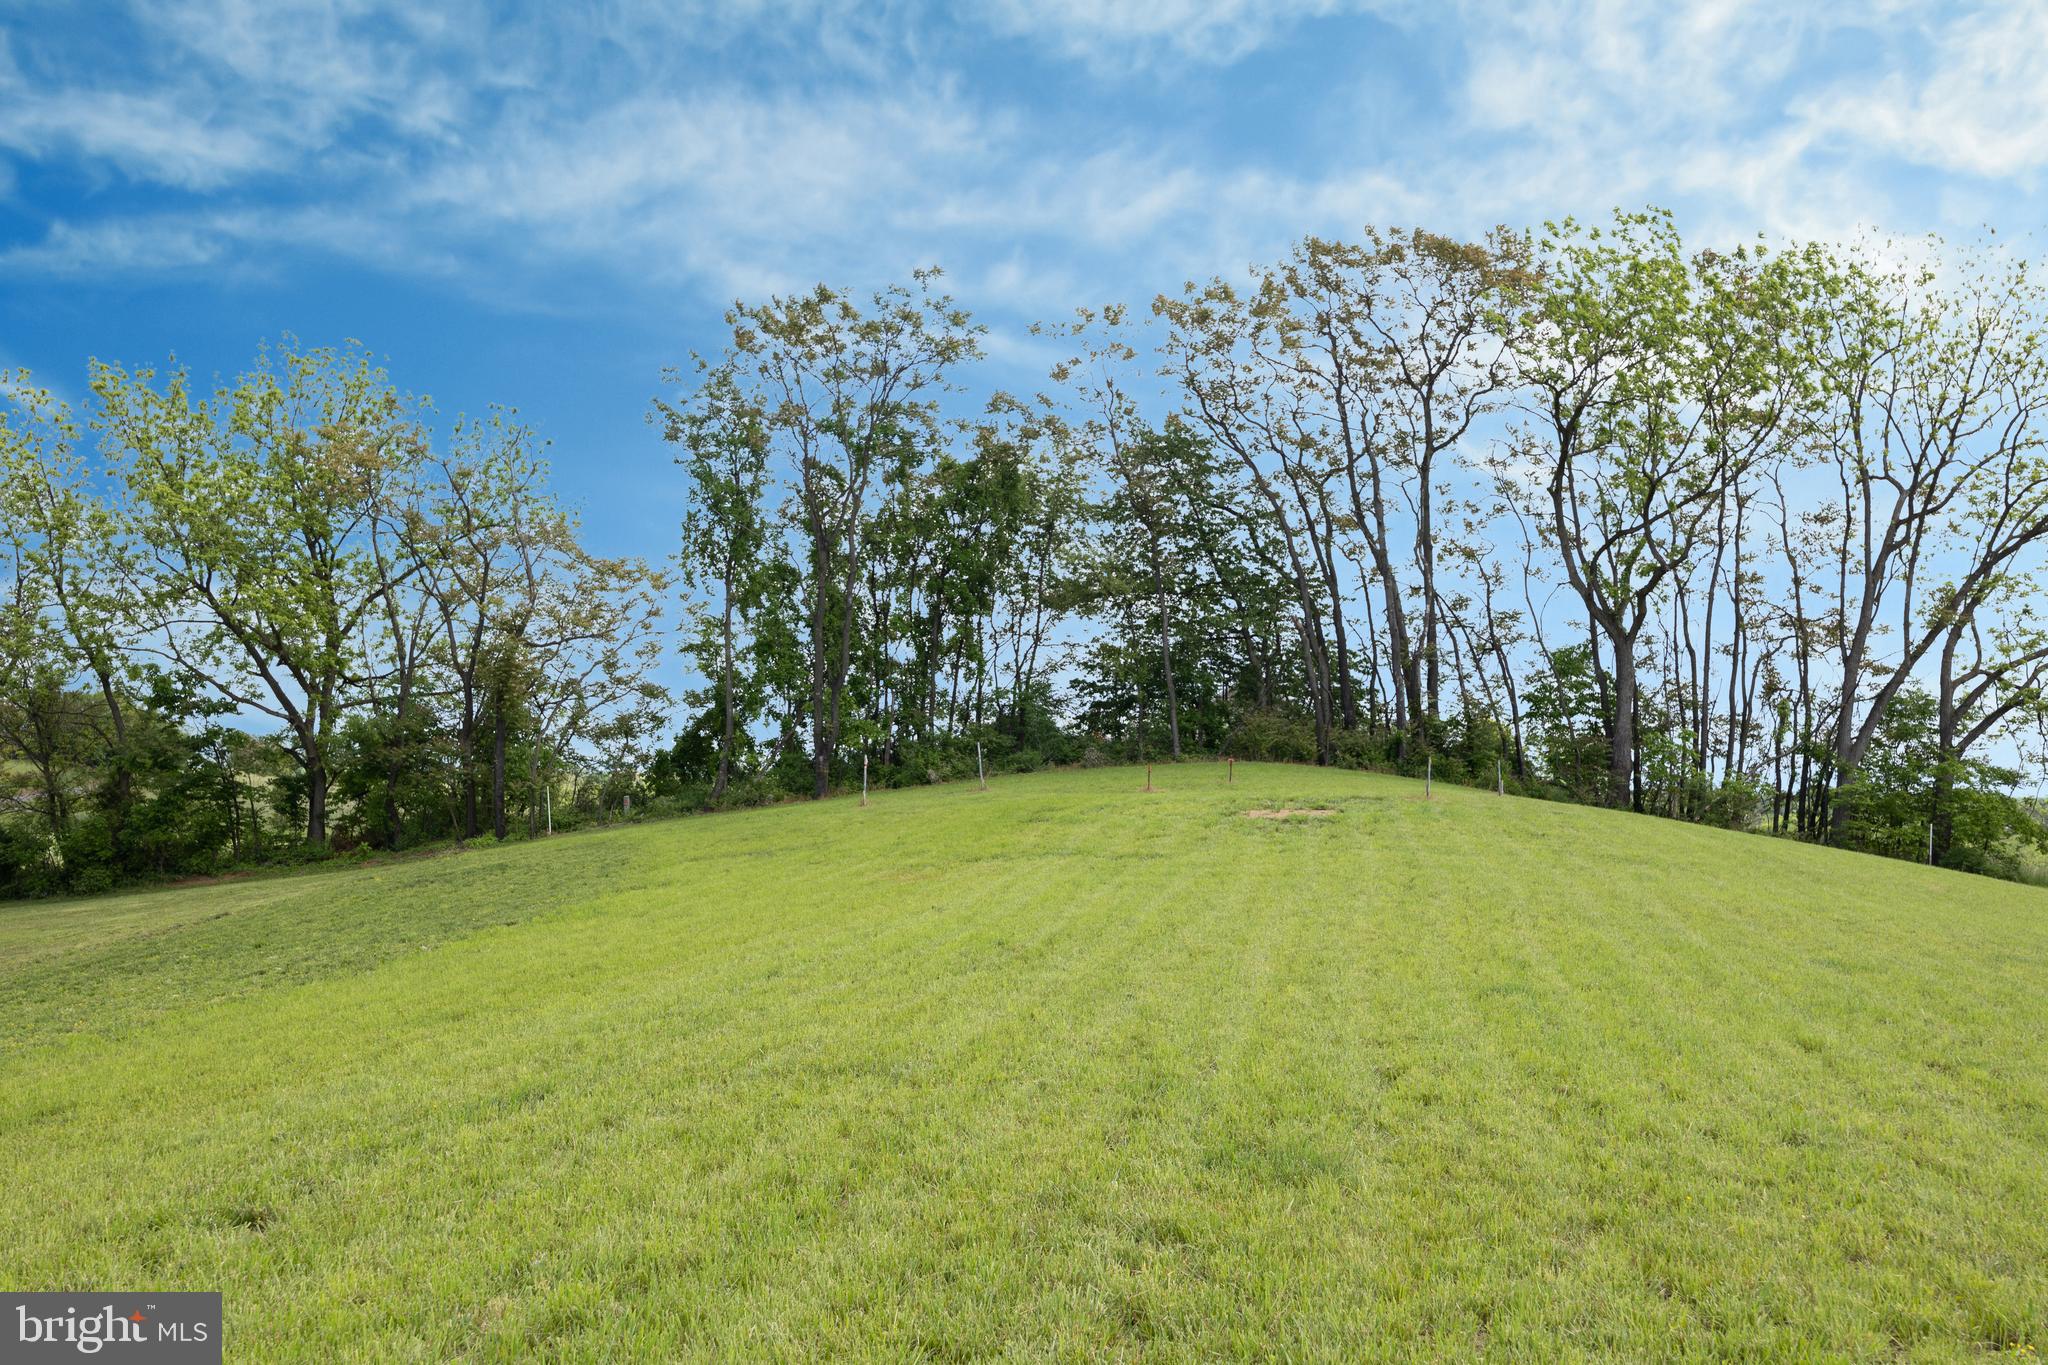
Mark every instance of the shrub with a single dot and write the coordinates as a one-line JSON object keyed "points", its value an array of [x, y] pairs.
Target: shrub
{"points": [[26, 865], [746, 792], [1737, 803], [1361, 749], [1272, 737]]}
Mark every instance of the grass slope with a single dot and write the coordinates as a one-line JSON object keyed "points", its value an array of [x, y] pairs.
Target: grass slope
{"points": [[1058, 1069]]}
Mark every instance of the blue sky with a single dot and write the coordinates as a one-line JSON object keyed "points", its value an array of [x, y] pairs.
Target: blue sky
{"points": [[545, 211]]}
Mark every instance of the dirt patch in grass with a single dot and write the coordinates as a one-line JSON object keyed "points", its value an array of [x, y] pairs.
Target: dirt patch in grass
{"points": [[1290, 813]]}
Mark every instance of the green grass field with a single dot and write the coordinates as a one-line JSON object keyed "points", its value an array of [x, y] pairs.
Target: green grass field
{"points": [[1059, 1069]]}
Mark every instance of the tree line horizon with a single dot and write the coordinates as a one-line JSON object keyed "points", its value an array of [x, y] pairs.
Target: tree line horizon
{"points": [[1750, 537]]}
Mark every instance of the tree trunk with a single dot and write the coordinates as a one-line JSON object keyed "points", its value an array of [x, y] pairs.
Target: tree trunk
{"points": [[1166, 652], [498, 826], [821, 754], [845, 653], [1318, 687], [1400, 657], [1425, 555], [124, 777], [533, 791], [394, 828], [725, 700], [1621, 753], [470, 827], [316, 797]]}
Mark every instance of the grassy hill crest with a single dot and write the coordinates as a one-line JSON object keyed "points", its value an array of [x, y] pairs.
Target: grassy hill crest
{"points": [[1060, 1068]]}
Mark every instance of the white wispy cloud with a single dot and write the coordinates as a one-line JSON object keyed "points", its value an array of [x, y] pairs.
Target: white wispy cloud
{"points": [[121, 245], [1979, 106], [1739, 110], [1210, 32], [737, 148], [147, 137]]}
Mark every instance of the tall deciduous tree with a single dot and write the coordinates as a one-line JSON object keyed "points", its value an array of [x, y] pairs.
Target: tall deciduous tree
{"points": [[1429, 321], [724, 443], [1236, 361], [252, 511], [1652, 381], [72, 612], [1136, 461], [847, 392], [1934, 437]]}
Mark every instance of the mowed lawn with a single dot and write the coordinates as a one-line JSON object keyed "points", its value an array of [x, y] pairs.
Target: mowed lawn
{"points": [[1059, 1069]]}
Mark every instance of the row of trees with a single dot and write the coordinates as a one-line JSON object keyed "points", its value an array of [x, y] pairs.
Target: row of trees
{"points": [[277, 604], [1742, 536], [1747, 537]]}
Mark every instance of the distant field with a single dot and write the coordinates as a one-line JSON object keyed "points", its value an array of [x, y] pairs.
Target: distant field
{"points": [[1060, 1069]]}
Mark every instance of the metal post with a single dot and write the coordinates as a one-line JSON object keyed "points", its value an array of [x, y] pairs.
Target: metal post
{"points": [[863, 779], [548, 797], [1500, 783], [1148, 777], [1230, 774], [980, 772], [1930, 843]]}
